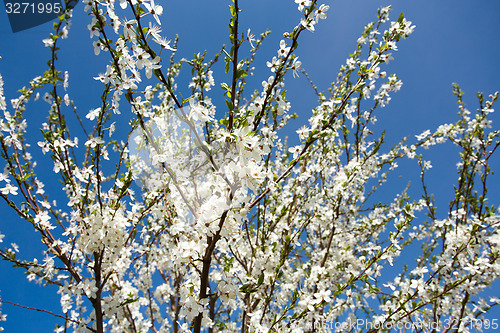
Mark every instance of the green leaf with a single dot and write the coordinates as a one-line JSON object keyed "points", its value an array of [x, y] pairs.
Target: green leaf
{"points": [[157, 73], [130, 300], [223, 121], [186, 100], [227, 54], [241, 73], [401, 17], [261, 279], [139, 10], [244, 288]]}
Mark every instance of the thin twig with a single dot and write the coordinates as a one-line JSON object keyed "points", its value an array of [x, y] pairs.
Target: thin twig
{"points": [[44, 311]]}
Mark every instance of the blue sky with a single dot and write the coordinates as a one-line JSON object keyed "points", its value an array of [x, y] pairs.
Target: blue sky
{"points": [[454, 41]]}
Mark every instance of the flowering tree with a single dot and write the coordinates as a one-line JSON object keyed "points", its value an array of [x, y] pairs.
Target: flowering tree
{"points": [[201, 221]]}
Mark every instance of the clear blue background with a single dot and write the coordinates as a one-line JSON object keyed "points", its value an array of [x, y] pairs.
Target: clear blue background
{"points": [[454, 41]]}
